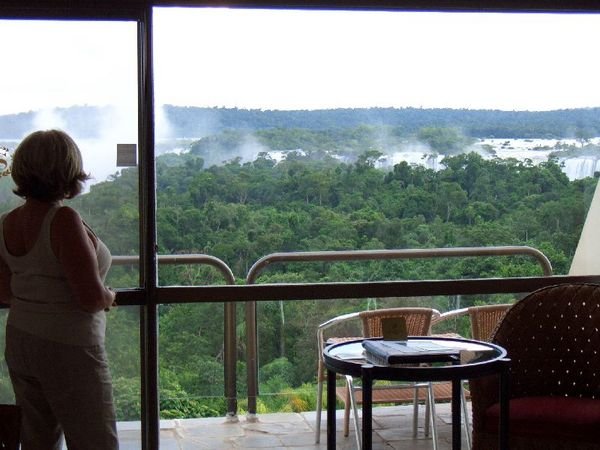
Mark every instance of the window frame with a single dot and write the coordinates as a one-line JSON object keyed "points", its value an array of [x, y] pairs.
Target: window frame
{"points": [[149, 295]]}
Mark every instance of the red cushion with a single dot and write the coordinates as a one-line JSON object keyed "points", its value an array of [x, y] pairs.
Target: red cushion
{"points": [[571, 418]]}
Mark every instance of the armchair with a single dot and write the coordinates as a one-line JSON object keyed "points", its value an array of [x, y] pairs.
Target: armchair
{"points": [[552, 338]]}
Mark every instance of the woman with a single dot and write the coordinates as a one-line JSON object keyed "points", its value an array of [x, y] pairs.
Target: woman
{"points": [[52, 270]]}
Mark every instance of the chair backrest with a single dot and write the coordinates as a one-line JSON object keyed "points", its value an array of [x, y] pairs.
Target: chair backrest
{"points": [[10, 426], [418, 320], [485, 319], [553, 340]]}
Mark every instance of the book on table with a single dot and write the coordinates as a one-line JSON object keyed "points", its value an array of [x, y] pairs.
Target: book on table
{"points": [[384, 352]]}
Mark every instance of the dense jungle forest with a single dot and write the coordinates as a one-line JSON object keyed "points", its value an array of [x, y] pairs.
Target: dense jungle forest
{"points": [[239, 211]]}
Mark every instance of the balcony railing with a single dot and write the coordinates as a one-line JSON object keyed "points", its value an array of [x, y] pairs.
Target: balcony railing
{"points": [[331, 256], [357, 255]]}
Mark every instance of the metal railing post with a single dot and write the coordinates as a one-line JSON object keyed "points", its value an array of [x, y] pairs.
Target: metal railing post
{"points": [[229, 335]]}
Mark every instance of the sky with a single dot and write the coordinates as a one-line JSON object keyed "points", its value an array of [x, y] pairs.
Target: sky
{"points": [[286, 60], [309, 60]]}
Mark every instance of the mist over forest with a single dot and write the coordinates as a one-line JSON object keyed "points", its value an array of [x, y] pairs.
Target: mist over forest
{"points": [[190, 121], [416, 135]]}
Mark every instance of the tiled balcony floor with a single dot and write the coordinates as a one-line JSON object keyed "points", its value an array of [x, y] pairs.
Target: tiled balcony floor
{"points": [[392, 429]]}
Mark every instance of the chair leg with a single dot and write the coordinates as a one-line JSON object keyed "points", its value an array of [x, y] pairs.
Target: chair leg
{"points": [[319, 409], [347, 404], [431, 401], [427, 424], [466, 421], [415, 410], [357, 427]]}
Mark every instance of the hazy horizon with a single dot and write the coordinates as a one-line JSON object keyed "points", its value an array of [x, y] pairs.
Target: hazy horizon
{"points": [[309, 60]]}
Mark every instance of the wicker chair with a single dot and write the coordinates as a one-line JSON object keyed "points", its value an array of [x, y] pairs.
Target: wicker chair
{"points": [[418, 323], [552, 337], [10, 425], [485, 319]]}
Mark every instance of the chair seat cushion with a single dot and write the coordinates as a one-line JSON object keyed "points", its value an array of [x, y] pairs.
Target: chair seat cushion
{"points": [[571, 418]]}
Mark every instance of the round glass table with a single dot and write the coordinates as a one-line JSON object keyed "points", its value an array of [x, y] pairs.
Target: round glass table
{"points": [[424, 358]]}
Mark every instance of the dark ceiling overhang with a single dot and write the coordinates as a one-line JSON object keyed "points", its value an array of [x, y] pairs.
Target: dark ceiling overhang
{"points": [[84, 7]]}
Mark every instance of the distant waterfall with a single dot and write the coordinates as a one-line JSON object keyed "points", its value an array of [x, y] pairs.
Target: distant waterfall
{"points": [[536, 150], [577, 168]]}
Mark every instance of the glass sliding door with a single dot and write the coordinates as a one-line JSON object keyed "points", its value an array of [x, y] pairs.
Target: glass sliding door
{"points": [[81, 77]]}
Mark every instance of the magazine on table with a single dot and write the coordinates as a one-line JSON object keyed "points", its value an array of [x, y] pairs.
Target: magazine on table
{"points": [[387, 352]]}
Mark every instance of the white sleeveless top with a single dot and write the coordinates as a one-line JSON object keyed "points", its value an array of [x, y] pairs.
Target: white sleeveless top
{"points": [[42, 302]]}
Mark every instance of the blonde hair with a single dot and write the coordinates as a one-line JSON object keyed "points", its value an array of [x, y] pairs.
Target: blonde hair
{"points": [[47, 165]]}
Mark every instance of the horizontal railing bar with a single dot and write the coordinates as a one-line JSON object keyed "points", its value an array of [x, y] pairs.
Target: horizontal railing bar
{"points": [[325, 291]]}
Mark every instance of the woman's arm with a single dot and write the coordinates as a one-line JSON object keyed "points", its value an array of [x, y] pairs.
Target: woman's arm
{"points": [[76, 252]]}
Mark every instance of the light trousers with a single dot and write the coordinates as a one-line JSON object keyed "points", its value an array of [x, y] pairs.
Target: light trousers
{"points": [[62, 389]]}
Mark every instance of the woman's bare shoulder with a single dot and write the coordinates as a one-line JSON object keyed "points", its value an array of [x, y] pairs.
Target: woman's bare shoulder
{"points": [[67, 214], [67, 222]]}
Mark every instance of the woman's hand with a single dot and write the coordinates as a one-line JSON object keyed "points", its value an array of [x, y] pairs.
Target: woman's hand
{"points": [[113, 303]]}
